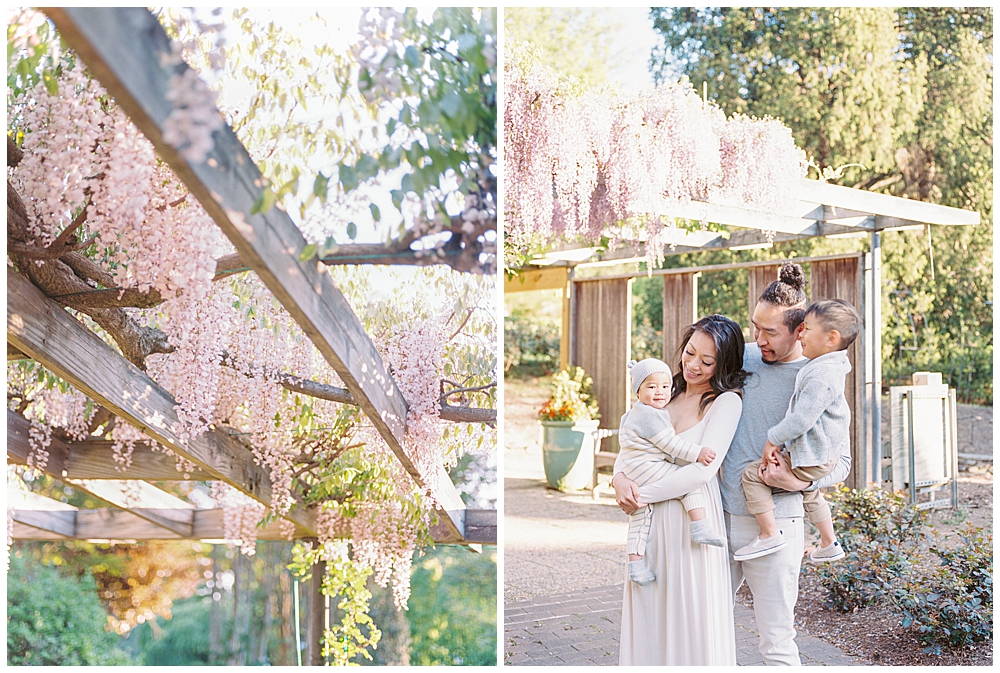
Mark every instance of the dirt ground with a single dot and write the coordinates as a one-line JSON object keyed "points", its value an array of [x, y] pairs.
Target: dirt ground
{"points": [[873, 634]]}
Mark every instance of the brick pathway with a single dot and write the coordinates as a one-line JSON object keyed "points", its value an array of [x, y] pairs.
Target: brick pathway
{"points": [[582, 628]]}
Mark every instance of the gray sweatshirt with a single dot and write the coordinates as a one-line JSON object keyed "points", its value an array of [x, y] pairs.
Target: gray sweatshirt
{"points": [[765, 400], [818, 419]]}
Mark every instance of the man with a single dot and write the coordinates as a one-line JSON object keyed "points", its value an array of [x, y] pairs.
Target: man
{"points": [[773, 362]]}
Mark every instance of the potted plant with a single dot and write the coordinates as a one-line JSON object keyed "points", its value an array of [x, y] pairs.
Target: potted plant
{"points": [[569, 422]]}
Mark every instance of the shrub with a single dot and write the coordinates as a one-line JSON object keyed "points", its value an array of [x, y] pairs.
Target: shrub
{"points": [[56, 621], [572, 398], [881, 534], [954, 607], [528, 342]]}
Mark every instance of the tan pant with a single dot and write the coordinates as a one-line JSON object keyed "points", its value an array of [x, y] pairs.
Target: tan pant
{"points": [[759, 494]]}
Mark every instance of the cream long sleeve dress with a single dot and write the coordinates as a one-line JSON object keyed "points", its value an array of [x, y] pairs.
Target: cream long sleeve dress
{"points": [[685, 617]]}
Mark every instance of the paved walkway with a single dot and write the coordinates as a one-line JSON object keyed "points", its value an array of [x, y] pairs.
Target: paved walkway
{"points": [[581, 628], [556, 616]]}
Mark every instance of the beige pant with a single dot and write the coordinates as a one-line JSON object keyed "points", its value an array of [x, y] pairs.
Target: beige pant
{"points": [[774, 583], [758, 493]]}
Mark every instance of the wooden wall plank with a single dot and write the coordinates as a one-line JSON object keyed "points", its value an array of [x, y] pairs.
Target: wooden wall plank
{"points": [[602, 323], [38, 326], [839, 279], [124, 49], [680, 309], [758, 278]]}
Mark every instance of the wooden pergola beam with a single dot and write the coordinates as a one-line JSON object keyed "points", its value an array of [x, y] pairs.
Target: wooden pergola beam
{"points": [[42, 329], [91, 458], [136, 524], [128, 51]]}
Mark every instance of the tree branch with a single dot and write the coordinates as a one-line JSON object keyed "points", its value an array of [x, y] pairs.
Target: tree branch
{"points": [[322, 391]]}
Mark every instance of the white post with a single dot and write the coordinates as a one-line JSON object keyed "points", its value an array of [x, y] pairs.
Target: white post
{"points": [[876, 358]]}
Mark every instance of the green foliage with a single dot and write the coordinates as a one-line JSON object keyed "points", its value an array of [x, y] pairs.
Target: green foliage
{"points": [[572, 398], [905, 93], [56, 621], [529, 342], [183, 640], [953, 607], [453, 608], [573, 41], [346, 580], [881, 533], [445, 92]]}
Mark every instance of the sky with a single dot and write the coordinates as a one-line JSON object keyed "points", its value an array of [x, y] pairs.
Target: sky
{"points": [[637, 40]]}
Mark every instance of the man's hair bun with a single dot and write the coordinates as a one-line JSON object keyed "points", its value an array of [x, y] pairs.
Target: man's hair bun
{"points": [[792, 274]]}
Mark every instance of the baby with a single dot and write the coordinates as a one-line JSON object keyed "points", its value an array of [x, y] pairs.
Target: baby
{"points": [[648, 440], [813, 431]]}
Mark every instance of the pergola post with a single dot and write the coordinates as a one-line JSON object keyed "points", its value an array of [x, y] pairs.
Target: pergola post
{"points": [[875, 345], [317, 616]]}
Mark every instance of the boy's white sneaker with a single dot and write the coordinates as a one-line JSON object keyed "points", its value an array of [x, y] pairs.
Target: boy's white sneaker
{"points": [[759, 547], [833, 552], [639, 573]]}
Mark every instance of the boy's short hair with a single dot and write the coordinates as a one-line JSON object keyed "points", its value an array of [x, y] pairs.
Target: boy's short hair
{"points": [[837, 314]]}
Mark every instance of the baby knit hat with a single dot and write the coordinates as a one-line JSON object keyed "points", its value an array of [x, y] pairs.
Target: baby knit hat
{"points": [[640, 370]]}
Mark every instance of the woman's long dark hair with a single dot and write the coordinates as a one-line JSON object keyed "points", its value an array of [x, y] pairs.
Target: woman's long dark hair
{"points": [[729, 375]]}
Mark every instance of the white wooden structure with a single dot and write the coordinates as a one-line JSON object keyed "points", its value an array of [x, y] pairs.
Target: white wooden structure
{"points": [[822, 210]]}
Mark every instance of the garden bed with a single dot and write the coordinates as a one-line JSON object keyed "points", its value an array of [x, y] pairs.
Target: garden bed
{"points": [[874, 634]]}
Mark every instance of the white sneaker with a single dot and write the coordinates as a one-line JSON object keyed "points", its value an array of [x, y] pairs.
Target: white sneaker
{"points": [[759, 547], [833, 552], [639, 573]]}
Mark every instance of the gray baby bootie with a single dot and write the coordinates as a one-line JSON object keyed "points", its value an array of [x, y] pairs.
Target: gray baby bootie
{"points": [[702, 533], [639, 573]]}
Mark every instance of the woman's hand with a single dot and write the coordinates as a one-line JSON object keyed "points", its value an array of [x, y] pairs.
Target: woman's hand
{"points": [[781, 476], [626, 493]]}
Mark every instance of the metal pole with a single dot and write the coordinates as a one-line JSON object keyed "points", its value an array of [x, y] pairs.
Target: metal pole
{"points": [[876, 345]]}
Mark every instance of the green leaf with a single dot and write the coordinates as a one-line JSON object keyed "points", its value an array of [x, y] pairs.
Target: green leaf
{"points": [[352, 231], [376, 214], [390, 127], [366, 167], [451, 104], [320, 185], [307, 252], [348, 177], [397, 197], [411, 56], [264, 202]]}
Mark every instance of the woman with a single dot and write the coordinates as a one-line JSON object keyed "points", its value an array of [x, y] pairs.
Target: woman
{"points": [[685, 617]]}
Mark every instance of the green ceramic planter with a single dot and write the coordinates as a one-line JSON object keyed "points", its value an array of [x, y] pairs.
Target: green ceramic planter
{"points": [[568, 454]]}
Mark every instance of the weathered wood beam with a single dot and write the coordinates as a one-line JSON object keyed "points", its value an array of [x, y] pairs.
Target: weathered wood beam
{"points": [[91, 458], [128, 52], [136, 524], [41, 328], [14, 354]]}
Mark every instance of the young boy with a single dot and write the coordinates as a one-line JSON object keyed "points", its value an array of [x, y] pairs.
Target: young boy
{"points": [[646, 437], [813, 431]]}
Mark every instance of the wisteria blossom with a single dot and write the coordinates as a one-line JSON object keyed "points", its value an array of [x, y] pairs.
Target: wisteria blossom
{"points": [[586, 165]]}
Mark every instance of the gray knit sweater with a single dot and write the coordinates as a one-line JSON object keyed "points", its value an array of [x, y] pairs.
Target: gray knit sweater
{"points": [[818, 419]]}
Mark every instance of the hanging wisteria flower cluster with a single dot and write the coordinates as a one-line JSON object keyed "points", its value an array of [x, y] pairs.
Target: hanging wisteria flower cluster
{"points": [[582, 166]]}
